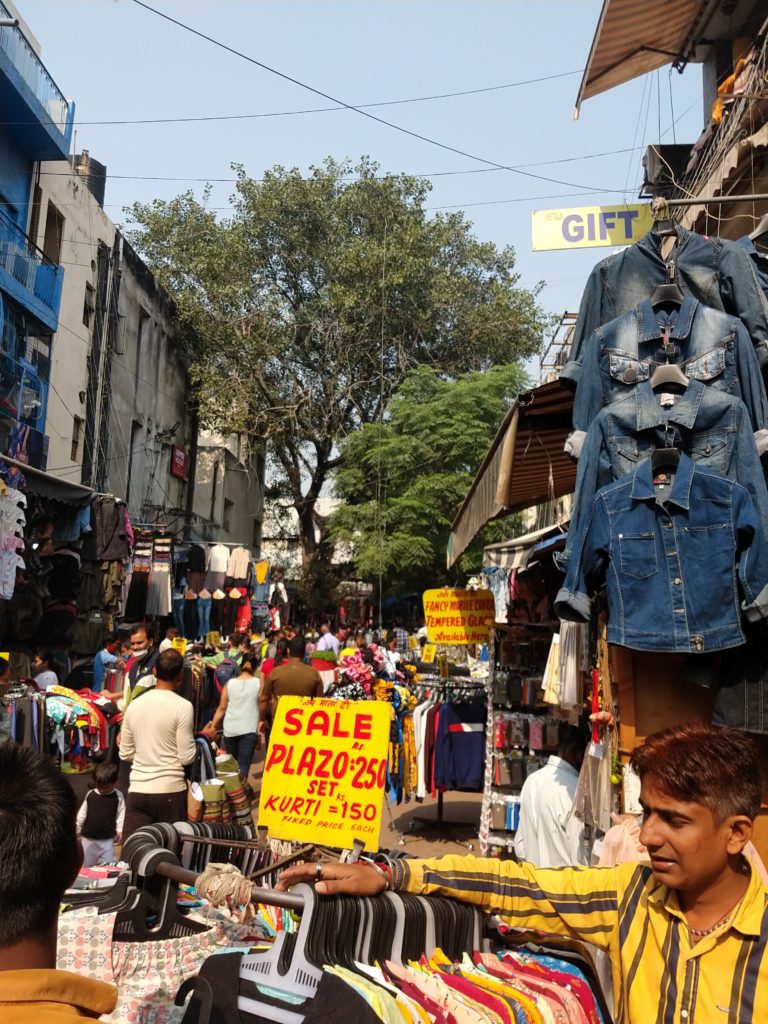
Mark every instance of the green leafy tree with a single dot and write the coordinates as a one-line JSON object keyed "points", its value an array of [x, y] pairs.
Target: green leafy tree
{"points": [[404, 480], [314, 299]]}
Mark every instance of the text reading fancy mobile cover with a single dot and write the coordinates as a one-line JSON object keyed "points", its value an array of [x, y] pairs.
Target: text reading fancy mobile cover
{"points": [[325, 771]]}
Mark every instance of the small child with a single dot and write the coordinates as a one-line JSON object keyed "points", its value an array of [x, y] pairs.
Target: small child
{"points": [[100, 818]]}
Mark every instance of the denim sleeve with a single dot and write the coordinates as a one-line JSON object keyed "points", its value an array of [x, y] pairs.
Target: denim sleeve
{"points": [[588, 563], [589, 391], [746, 468], [592, 473], [589, 319], [743, 298], [750, 381], [753, 558]]}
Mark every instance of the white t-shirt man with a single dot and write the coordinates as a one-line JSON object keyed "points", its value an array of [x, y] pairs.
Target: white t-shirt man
{"points": [[158, 737], [548, 834]]}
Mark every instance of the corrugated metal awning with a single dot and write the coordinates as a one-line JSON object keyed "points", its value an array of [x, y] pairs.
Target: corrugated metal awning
{"points": [[637, 36], [525, 465], [517, 552]]}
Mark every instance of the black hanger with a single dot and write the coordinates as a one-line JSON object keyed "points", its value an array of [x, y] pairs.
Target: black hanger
{"points": [[665, 458]]}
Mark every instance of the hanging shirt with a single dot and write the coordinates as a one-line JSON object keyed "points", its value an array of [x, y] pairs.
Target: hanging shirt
{"points": [[218, 558], [549, 835]]}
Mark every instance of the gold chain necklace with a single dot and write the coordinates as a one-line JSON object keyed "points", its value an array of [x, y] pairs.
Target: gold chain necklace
{"points": [[701, 932]]}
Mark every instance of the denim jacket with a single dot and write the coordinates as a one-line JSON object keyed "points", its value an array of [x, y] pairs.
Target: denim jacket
{"points": [[710, 426], [759, 261], [680, 570], [708, 345], [717, 272]]}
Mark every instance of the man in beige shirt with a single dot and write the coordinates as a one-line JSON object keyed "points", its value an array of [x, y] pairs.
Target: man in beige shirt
{"points": [[158, 739], [291, 679]]}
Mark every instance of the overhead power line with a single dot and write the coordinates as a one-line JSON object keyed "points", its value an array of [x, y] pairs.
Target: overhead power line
{"points": [[194, 119], [351, 107]]}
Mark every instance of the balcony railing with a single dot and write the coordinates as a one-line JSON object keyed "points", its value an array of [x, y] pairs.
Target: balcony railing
{"points": [[33, 72], [28, 266]]}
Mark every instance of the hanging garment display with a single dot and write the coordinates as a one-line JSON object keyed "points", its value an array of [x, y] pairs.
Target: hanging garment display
{"points": [[710, 346], [717, 272], [671, 551], [159, 590]]}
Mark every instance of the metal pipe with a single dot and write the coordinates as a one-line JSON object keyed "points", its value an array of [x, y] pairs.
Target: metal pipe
{"points": [[760, 197], [288, 900]]}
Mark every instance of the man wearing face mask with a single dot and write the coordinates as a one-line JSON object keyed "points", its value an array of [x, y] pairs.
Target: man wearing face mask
{"points": [[138, 674]]}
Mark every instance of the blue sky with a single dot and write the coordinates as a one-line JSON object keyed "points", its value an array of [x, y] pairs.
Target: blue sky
{"points": [[118, 61]]}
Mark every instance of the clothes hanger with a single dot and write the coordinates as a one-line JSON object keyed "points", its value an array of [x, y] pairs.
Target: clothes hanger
{"points": [[761, 231], [668, 373], [665, 458]]}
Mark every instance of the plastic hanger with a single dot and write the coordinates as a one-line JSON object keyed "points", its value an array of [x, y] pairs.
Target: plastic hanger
{"points": [[668, 373], [761, 231], [665, 458]]}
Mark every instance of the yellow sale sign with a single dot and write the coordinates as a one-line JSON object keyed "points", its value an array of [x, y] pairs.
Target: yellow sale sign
{"points": [[179, 644], [458, 616], [325, 771], [585, 227]]}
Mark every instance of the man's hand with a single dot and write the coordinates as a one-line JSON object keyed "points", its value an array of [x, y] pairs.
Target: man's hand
{"points": [[346, 879], [604, 718], [119, 839], [209, 730]]}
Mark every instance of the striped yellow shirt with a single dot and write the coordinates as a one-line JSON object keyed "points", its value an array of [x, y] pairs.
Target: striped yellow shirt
{"points": [[658, 975]]}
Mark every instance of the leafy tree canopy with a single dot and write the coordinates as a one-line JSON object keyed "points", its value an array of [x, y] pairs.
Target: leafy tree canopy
{"points": [[404, 480], [312, 301]]}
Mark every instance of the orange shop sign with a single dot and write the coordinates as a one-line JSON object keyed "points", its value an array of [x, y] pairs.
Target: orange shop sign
{"points": [[325, 771], [458, 616]]}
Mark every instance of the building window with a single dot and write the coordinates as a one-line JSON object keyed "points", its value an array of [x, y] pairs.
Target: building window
{"points": [[54, 233], [77, 433], [227, 520], [89, 305]]}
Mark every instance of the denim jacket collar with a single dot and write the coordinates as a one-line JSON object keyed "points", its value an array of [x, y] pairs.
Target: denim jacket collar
{"points": [[650, 414], [652, 241], [680, 494], [648, 320]]}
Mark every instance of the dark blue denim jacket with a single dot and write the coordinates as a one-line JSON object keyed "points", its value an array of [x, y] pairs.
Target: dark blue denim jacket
{"points": [[717, 272], [710, 426], [680, 570], [708, 345], [759, 261]]}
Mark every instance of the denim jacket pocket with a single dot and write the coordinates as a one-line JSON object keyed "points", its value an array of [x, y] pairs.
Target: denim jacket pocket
{"points": [[625, 368], [628, 452], [711, 450], [707, 366], [637, 555]]}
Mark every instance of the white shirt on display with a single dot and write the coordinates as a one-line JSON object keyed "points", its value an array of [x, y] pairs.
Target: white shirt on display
{"points": [[549, 835]]}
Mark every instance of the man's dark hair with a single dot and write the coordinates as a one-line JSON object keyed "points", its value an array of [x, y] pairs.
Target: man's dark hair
{"points": [[168, 666], [39, 851], [572, 736], [106, 774], [298, 646], [697, 763]]}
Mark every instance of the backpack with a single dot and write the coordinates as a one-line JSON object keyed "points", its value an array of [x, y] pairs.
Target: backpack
{"points": [[224, 671]]}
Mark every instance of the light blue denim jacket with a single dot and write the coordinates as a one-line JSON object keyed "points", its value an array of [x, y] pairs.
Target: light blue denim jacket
{"points": [[708, 345], [679, 570], [710, 426], [717, 272]]}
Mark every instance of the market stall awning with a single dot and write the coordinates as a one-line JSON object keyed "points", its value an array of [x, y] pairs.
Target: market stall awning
{"points": [[49, 486], [525, 465], [637, 36], [518, 552]]}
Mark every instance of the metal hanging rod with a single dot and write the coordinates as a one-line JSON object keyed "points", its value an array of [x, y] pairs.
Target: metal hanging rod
{"points": [[757, 198]]}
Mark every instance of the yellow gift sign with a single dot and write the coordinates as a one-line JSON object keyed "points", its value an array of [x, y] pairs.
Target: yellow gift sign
{"points": [[179, 644], [325, 771], [586, 227]]}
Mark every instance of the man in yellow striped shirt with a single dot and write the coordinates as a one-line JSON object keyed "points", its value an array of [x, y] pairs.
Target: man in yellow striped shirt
{"points": [[687, 936]]}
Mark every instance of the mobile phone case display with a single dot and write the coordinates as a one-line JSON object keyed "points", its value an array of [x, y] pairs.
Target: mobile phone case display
{"points": [[519, 739]]}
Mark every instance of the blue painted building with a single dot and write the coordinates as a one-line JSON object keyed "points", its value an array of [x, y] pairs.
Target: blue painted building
{"points": [[36, 124]]}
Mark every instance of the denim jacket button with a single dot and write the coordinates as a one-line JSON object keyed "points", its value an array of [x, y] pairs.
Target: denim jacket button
{"points": [[630, 375], [677, 581], [698, 642]]}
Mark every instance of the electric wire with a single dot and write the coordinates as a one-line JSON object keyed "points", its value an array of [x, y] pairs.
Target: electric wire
{"points": [[363, 113], [293, 113]]}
